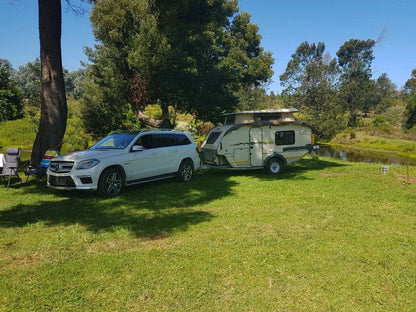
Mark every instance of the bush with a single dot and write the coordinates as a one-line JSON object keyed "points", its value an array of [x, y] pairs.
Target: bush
{"points": [[153, 111], [75, 137], [379, 121], [395, 116]]}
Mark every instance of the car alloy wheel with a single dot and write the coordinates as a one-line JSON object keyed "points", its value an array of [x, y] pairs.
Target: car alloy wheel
{"points": [[186, 171], [111, 182], [114, 183]]}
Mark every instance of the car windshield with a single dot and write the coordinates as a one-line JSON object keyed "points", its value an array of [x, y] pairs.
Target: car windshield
{"points": [[115, 141]]}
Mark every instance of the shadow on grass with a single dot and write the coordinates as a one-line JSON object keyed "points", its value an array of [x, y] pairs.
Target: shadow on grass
{"points": [[147, 210]]}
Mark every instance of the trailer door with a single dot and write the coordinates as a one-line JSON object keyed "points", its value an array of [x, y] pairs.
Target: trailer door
{"points": [[256, 147]]}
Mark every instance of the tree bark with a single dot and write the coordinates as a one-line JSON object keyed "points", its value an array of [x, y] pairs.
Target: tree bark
{"points": [[53, 118], [148, 120], [164, 122], [165, 116]]}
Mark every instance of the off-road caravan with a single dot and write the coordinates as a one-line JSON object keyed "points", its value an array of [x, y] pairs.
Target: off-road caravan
{"points": [[258, 139]]}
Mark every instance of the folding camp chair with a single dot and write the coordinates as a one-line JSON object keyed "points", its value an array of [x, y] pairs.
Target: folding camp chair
{"points": [[40, 172], [11, 164]]}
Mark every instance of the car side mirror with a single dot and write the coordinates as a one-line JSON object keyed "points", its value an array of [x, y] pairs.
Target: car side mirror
{"points": [[138, 148]]}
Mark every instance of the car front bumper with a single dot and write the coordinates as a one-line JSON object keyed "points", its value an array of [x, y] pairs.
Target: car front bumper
{"points": [[85, 180]]}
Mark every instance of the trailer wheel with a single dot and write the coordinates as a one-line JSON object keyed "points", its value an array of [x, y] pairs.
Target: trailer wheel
{"points": [[274, 166]]}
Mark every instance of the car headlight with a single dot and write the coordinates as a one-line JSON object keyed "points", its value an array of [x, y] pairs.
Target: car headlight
{"points": [[87, 164]]}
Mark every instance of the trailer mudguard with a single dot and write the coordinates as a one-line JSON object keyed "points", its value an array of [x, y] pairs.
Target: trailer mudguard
{"points": [[279, 156]]}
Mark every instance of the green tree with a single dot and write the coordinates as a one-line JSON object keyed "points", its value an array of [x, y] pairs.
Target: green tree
{"points": [[386, 93], [410, 111], [10, 94], [190, 55], [73, 82], [252, 98], [109, 78], [28, 78], [410, 84], [355, 58], [310, 82]]}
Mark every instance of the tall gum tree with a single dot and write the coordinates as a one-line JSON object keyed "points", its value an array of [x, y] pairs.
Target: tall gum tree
{"points": [[53, 118], [355, 58], [191, 55]]}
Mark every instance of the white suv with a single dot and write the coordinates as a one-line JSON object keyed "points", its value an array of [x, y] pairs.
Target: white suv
{"points": [[126, 158]]}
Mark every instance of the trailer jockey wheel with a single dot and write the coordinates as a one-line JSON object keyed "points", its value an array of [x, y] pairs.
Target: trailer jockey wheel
{"points": [[274, 166]]}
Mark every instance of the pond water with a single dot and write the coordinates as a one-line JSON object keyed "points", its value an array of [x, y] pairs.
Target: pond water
{"points": [[359, 155]]}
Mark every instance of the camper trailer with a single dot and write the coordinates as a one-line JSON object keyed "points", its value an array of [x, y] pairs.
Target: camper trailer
{"points": [[266, 139]]}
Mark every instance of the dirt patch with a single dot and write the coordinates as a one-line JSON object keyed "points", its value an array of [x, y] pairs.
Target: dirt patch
{"points": [[403, 178], [20, 262]]}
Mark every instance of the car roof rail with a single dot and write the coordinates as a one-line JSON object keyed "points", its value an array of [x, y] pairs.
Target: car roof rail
{"points": [[160, 129]]}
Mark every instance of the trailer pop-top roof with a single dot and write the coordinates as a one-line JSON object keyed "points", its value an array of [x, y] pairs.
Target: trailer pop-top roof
{"points": [[280, 114]]}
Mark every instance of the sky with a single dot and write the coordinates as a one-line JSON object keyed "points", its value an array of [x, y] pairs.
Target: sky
{"points": [[283, 24]]}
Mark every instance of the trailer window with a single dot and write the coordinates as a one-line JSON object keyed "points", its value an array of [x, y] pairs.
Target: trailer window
{"points": [[213, 137], [268, 117], [230, 120], [285, 137]]}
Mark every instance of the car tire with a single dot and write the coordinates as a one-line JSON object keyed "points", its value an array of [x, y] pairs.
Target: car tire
{"points": [[274, 166], [186, 171], [111, 182]]}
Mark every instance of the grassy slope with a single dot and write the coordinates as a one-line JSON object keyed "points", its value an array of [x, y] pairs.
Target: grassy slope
{"points": [[360, 139], [323, 236], [18, 133]]}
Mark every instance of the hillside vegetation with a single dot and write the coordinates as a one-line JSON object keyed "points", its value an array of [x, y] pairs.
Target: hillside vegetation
{"points": [[404, 143]]}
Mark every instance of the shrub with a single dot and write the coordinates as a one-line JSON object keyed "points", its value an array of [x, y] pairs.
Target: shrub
{"points": [[379, 121], [75, 137], [395, 116]]}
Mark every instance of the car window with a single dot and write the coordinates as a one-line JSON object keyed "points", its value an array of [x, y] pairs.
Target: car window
{"points": [[145, 141], [115, 141], [180, 139], [162, 140]]}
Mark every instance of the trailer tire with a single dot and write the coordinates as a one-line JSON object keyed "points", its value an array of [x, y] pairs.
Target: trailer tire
{"points": [[274, 166]]}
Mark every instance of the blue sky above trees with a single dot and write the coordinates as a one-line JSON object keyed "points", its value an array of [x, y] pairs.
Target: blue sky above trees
{"points": [[283, 25]]}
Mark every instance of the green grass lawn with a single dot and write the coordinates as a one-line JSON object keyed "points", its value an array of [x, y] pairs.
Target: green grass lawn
{"points": [[322, 236]]}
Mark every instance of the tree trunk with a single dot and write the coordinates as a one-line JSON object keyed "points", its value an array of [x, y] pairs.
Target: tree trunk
{"points": [[53, 101], [149, 121], [165, 116]]}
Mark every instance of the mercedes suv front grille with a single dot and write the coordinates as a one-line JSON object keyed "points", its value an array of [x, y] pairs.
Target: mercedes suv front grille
{"points": [[61, 166]]}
